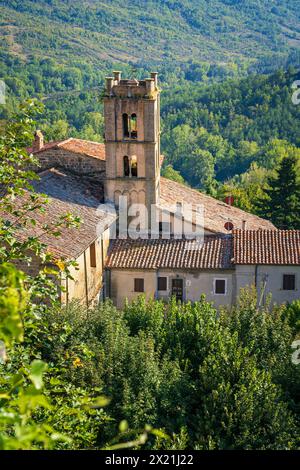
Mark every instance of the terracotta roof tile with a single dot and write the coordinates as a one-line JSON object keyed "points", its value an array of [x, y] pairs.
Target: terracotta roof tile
{"points": [[214, 253], [67, 194], [216, 213], [267, 247], [84, 147]]}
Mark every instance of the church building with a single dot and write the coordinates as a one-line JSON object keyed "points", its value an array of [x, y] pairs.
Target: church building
{"points": [[95, 180]]}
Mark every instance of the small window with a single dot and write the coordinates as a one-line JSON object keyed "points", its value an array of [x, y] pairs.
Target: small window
{"points": [[93, 262], [220, 286], [125, 125], [289, 282], [162, 283], [133, 126], [134, 169], [138, 285], [126, 166]]}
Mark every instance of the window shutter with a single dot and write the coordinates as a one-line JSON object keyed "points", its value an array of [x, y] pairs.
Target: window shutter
{"points": [[138, 285], [93, 261], [162, 283], [289, 282], [220, 286]]}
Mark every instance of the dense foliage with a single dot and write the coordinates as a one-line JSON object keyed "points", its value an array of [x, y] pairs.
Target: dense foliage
{"points": [[233, 138], [208, 382], [162, 33], [281, 201], [238, 122]]}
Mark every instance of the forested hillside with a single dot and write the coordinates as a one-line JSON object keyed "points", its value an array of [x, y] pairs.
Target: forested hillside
{"points": [[193, 34], [230, 125], [226, 70]]}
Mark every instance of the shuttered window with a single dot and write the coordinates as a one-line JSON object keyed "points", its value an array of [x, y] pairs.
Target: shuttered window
{"points": [[93, 262], [220, 286], [138, 285], [289, 282], [162, 283]]}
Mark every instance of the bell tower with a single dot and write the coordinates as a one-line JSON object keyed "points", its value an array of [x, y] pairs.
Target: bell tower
{"points": [[132, 140]]}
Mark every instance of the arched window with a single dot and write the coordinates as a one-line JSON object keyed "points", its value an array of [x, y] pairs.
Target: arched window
{"points": [[133, 126], [125, 125], [129, 126], [126, 166], [134, 170]]}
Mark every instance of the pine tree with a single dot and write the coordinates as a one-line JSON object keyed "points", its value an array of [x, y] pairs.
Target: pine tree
{"points": [[281, 201]]}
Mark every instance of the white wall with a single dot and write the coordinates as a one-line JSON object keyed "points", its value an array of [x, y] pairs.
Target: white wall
{"points": [[269, 281], [195, 284]]}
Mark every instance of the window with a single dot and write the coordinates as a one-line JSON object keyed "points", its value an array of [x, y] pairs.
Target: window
{"points": [[133, 126], [126, 167], [93, 255], [134, 172], [138, 285], [125, 125], [130, 167], [289, 282], [220, 286], [129, 126], [161, 283]]}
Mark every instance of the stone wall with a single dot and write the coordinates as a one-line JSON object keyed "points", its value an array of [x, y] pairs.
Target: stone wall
{"points": [[76, 163], [145, 148]]}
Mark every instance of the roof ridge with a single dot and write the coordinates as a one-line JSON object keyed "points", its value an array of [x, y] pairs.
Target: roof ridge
{"points": [[64, 141]]}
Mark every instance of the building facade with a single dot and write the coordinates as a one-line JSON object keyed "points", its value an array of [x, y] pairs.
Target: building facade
{"points": [[238, 250], [219, 268]]}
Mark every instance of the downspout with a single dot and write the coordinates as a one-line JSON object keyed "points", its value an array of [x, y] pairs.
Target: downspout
{"points": [[103, 287], [67, 291], [108, 279], [156, 287], [86, 281], [255, 284]]}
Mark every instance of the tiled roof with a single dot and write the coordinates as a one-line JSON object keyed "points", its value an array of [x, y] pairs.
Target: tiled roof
{"points": [[84, 147], [216, 213], [67, 194], [214, 253], [266, 247]]}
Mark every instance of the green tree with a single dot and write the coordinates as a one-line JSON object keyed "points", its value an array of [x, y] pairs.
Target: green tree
{"points": [[281, 203], [171, 174]]}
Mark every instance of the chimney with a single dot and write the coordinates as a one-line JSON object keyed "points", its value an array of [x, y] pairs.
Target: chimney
{"points": [[149, 85], [117, 76], [109, 84], [229, 200], [244, 224], [154, 76], [38, 142]]}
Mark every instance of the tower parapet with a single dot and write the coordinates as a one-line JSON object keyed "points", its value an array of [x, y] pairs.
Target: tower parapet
{"points": [[131, 88]]}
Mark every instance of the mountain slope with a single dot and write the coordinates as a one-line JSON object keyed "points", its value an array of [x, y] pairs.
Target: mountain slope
{"points": [[148, 33]]}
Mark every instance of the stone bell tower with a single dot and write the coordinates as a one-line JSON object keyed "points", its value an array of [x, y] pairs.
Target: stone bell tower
{"points": [[132, 140]]}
